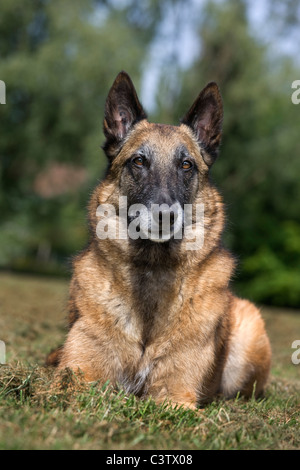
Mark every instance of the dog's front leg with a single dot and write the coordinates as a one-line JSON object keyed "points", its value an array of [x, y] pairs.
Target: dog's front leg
{"points": [[83, 352], [176, 397]]}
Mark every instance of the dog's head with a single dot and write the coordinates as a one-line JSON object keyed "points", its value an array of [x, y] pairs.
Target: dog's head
{"points": [[160, 168]]}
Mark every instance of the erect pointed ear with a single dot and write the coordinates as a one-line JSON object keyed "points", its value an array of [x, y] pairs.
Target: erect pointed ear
{"points": [[205, 118], [122, 111]]}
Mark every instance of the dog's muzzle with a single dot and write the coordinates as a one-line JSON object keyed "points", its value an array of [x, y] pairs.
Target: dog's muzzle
{"points": [[162, 222]]}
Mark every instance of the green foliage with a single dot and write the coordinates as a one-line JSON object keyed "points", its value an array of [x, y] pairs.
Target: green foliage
{"points": [[58, 60], [259, 166]]}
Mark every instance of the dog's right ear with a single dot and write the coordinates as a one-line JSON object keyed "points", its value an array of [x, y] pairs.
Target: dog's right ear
{"points": [[122, 110], [205, 119]]}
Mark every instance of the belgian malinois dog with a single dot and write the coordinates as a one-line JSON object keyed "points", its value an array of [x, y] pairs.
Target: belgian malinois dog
{"points": [[150, 312]]}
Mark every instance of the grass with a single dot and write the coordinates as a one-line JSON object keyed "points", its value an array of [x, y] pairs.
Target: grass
{"points": [[36, 414]]}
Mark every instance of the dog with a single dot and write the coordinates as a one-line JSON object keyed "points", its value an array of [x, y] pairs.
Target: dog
{"points": [[153, 313]]}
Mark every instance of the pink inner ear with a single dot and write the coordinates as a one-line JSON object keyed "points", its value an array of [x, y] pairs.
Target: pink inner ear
{"points": [[204, 128], [121, 119], [205, 122]]}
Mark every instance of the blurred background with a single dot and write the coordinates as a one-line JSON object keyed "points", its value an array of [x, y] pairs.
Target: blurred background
{"points": [[58, 61]]}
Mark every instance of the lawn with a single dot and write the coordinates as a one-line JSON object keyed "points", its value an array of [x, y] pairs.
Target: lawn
{"points": [[35, 414]]}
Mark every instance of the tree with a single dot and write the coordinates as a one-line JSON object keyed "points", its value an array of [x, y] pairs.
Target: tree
{"points": [[259, 164], [58, 60]]}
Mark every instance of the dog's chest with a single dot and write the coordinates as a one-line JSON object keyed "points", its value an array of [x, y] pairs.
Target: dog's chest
{"points": [[143, 321]]}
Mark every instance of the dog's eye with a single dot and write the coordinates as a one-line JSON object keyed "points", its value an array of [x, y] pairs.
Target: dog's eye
{"points": [[186, 165], [138, 161]]}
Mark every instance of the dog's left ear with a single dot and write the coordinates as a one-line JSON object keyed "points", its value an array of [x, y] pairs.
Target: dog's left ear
{"points": [[205, 117], [122, 110]]}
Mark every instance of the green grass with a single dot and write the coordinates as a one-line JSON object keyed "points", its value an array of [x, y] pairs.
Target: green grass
{"points": [[36, 414]]}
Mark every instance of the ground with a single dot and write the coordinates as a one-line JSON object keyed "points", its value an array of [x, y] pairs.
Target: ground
{"points": [[36, 415]]}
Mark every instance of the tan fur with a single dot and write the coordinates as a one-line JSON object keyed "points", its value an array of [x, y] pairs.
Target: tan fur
{"points": [[199, 340]]}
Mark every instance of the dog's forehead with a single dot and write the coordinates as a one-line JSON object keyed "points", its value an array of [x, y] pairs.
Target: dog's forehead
{"points": [[161, 139]]}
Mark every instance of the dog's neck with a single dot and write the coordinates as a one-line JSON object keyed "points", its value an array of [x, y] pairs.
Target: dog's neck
{"points": [[154, 290]]}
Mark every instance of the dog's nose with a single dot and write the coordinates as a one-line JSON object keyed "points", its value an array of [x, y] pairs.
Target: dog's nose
{"points": [[164, 215]]}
